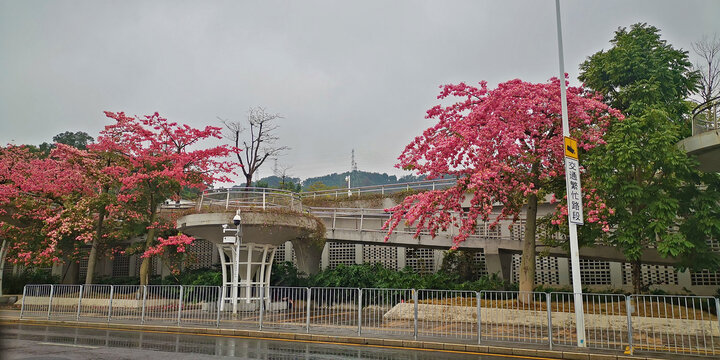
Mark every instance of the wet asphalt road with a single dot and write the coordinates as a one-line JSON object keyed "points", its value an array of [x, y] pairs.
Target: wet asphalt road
{"points": [[36, 342]]}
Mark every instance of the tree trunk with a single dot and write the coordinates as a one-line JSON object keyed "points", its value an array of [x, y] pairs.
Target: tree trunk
{"points": [[637, 276], [527, 264], [3, 250], [92, 257], [92, 261], [248, 180], [145, 266]]}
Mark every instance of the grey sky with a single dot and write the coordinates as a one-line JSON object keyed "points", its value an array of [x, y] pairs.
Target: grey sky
{"points": [[344, 74]]}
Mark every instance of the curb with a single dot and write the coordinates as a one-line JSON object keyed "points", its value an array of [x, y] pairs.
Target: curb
{"points": [[344, 340]]}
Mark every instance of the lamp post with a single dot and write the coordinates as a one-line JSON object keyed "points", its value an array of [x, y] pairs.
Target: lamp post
{"points": [[572, 220], [347, 178], [237, 221]]}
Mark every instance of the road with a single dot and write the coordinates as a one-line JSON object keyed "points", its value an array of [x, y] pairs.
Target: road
{"points": [[36, 342]]}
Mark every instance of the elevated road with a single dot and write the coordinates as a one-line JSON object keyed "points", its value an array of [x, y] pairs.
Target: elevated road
{"points": [[365, 226]]}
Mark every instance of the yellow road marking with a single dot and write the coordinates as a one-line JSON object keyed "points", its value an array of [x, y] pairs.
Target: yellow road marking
{"points": [[290, 340]]}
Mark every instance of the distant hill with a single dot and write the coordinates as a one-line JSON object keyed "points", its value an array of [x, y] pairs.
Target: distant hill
{"points": [[274, 181], [359, 178], [335, 180]]}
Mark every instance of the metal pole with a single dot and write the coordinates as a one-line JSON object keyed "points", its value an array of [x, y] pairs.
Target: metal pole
{"points": [[52, 288], [227, 200], [479, 318], [263, 199], [142, 313], [717, 310], [236, 269], [77, 317], [415, 316], [22, 305], [180, 304], [112, 290], [359, 312], [307, 311], [574, 251], [549, 318], [262, 305], [220, 297], [629, 310]]}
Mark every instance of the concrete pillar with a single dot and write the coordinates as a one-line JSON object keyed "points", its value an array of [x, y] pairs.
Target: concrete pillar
{"points": [[563, 271], [616, 275], [71, 273], [288, 251], [133, 264], [325, 257], [438, 256], [499, 262], [358, 254], [309, 253], [214, 257], [685, 279], [57, 269], [400, 257]]}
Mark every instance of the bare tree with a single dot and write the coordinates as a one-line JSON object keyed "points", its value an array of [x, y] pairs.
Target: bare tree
{"points": [[282, 172], [709, 67], [261, 143]]}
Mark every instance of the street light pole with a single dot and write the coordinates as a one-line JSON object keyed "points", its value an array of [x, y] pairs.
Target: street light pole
{"points": [[237, 220], [347, 178], [574, 250]]}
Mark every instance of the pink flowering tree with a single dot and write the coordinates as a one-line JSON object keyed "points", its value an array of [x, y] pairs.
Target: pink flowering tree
{"points": [[505, 147], [36, 192], [98, 216], [172, 249], [160, 158]]}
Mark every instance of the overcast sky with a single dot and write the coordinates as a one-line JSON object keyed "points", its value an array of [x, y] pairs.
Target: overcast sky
{"points": [[344, 74]]}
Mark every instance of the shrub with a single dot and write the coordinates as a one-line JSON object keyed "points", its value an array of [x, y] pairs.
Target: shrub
{"points": [[14, 284]]}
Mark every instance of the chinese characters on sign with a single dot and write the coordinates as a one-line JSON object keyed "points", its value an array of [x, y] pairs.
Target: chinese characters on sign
{"points": [[572, 178]]}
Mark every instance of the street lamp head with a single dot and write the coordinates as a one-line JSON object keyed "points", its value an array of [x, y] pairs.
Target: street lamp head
{"points": [[237, 219]]}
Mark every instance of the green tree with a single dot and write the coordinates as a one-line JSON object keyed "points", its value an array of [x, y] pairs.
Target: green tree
{"points": [[79, 140], [462, 264], [659, 198], [319, 186]]}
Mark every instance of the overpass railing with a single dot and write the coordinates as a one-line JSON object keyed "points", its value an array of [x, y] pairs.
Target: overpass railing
{"points": [[381, 189], [683, 325], [372, 220], [253, 198], [249, 198], [705, 116]]}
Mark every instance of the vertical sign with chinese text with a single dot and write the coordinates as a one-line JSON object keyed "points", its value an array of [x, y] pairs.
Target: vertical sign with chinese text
{"points": [[572, 182]]}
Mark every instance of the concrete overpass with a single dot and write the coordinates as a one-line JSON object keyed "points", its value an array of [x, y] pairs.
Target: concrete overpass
{"points": [[705, 140], [359, 225], [364, 226]]}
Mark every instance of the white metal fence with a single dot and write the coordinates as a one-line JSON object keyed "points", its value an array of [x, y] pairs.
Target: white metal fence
{"points": [[684, 325], [266, 198], [249, 198], [381, 189]]}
